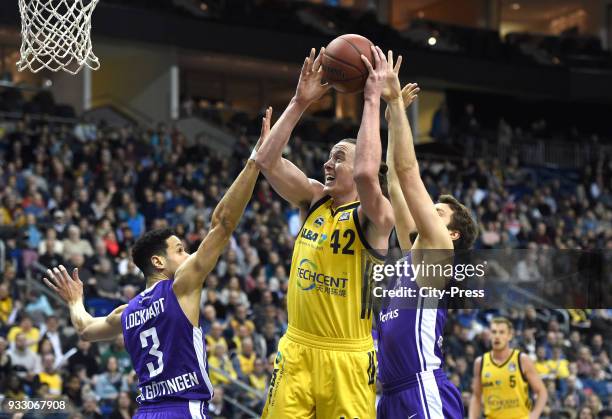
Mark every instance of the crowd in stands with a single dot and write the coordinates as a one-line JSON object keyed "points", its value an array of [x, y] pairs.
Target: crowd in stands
{"points": [[81, 195]]}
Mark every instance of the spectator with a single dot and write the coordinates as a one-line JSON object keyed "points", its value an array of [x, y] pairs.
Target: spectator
{"points": [[52, 333], [246, 357], [135, 221], [38, 306], [558, 366], [598, 382], [84, 357], [222, 370], [32, 233], [117, 350], [217, 405], [51, 250], [110, 382], [105, 282], [72, 390], [15, 389], [75, 245], [6, 304], [124, 408], [597, 345], [584, 362], [6, 366], [49, 376], [91, 409], [209, 316], [23, 359], [27, 329], [215, 337], [240, 319]]}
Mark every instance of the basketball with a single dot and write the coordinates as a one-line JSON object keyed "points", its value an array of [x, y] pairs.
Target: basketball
{"points": [[342, 64]]}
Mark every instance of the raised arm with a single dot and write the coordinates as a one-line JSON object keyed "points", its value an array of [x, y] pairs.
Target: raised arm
{"points": [[476, 399], [433, 234], [535, 384], [190, 276], [368, 151], [286, 178], [70, 289], [404, 223]]}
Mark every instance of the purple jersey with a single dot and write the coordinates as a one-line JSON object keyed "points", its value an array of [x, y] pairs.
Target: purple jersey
{"points": [[410, 356], [167, 352], [409, 339]]}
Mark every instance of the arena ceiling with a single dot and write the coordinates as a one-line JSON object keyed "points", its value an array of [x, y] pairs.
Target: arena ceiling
{"points": [[537, 10]]}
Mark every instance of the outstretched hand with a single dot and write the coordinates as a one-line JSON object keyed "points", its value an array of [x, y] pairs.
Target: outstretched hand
{"points": [[383, 79], [309, 86], [70, 289], [409, 94], [265, 131], [265, 127]]}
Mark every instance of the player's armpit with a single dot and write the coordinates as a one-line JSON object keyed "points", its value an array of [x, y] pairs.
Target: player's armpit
{"points": [[292, 184], [190, 276], [104, 328]]}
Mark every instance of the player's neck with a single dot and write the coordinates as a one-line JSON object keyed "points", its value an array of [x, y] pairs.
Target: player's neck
{"points": [[501, 355], [154, 279], [343, 199]]}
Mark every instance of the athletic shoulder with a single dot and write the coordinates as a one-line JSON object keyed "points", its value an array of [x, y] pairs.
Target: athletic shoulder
{"points": [[309, 207]]}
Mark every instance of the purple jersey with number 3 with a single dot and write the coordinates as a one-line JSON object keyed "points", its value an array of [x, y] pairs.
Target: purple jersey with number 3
{"points": [[167, 352]]}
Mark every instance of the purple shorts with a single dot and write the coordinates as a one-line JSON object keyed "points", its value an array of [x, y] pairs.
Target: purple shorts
{"points": [[427, 395], [180, 409]]}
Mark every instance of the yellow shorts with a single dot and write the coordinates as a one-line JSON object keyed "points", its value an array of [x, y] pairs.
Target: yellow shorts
{"points": [[323, 379]]}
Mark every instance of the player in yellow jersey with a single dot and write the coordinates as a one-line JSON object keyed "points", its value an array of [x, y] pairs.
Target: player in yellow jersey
{"points": [[326, 364], [503, 377]]}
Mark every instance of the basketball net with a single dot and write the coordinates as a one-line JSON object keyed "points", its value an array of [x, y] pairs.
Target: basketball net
{"points": [[56, 35]]}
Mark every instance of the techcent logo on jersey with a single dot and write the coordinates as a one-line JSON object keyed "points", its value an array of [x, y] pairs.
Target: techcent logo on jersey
{"points": [[308, 278]]}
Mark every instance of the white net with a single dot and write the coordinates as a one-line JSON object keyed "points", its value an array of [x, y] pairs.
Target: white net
{"points": [[55, 34]]}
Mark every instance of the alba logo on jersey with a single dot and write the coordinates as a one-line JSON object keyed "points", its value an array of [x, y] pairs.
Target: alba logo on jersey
{"points": [[312, 236], [308, 278]]}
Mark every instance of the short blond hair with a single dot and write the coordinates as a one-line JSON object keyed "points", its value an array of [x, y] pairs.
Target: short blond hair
{"points": [[503, 320]]}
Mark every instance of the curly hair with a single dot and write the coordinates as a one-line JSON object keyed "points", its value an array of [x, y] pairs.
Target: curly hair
{"points": [[150, 244]]}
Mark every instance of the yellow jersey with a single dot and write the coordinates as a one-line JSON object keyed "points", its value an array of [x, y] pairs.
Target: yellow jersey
{"points": [[247, 363], [330, 285], [54, 381], [505, 391]]}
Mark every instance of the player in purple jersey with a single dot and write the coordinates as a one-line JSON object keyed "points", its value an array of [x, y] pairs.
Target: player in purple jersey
{"points": [[410, 336], [161, 325]]}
